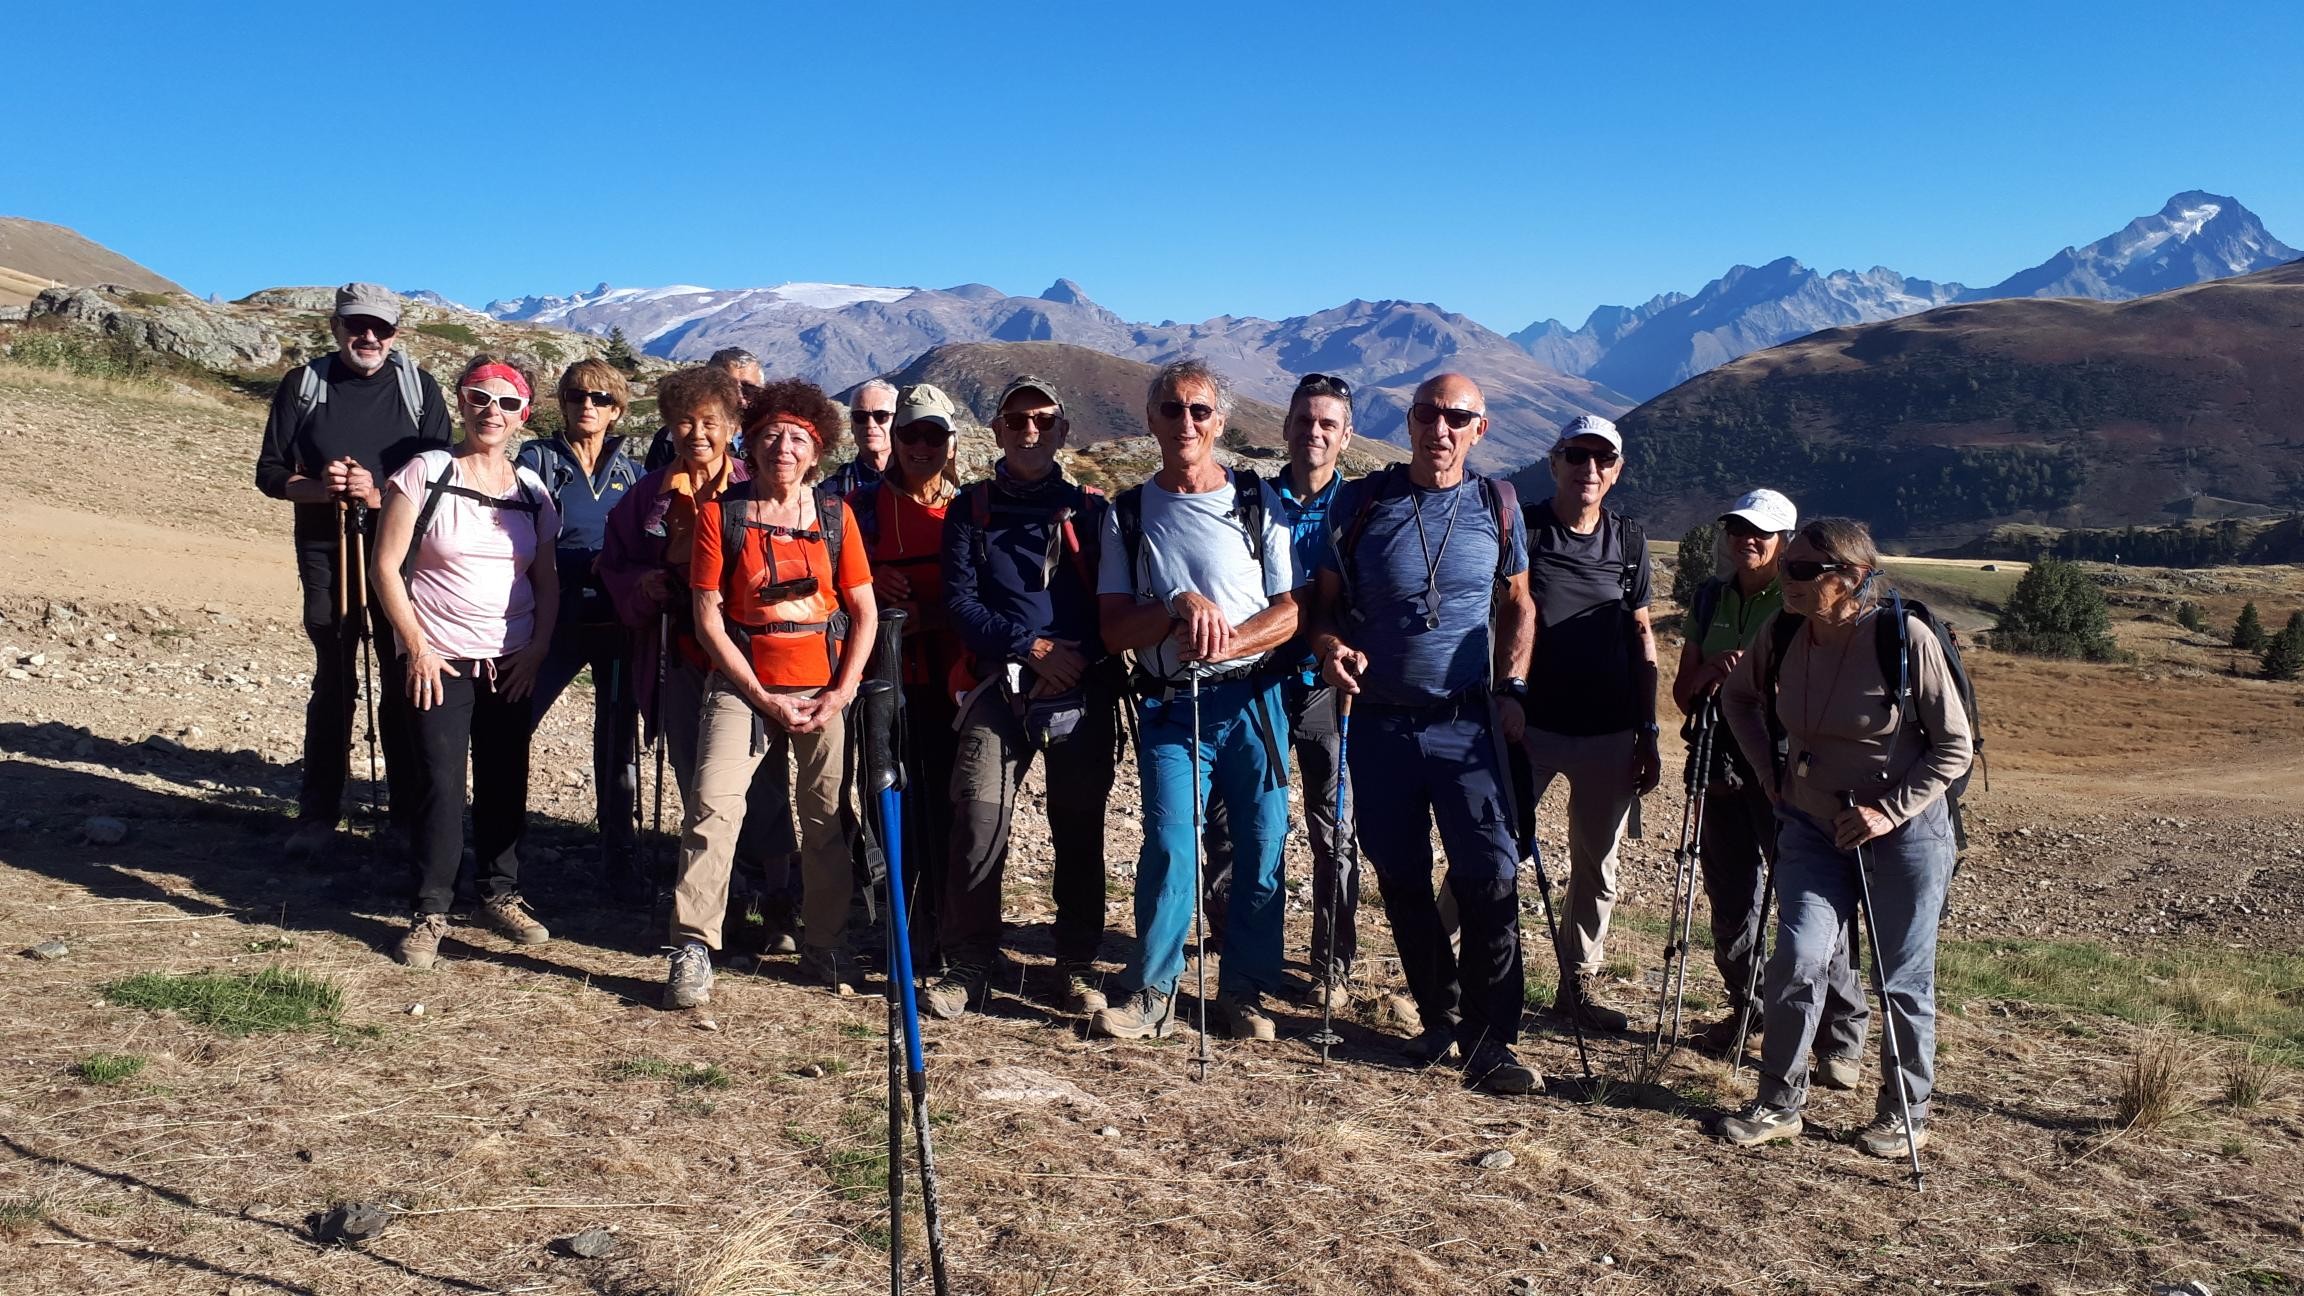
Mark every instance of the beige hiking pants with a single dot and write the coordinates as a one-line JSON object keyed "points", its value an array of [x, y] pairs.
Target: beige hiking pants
{"points": [[1598, 770], [725, 763]]}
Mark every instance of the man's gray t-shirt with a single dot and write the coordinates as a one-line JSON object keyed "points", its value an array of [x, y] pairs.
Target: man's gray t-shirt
{"points": [[1583, 683], [1409, 662], [1193, 542]]}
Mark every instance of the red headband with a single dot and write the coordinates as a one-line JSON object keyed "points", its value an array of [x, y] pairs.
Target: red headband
{"points": [[785, 416], [504, 372]]}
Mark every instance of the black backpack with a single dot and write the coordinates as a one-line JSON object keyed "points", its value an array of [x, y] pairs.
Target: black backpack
{"points": [[735, 506], [1247, 510], [1893, 649], [1075, 527]]}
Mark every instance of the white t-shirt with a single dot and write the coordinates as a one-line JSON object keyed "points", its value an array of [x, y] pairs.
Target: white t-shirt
{"points": [[470, 581], [1192, 542]]}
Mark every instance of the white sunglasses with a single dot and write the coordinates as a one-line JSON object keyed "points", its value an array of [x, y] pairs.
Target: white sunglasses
{"points": [[480, 398]]}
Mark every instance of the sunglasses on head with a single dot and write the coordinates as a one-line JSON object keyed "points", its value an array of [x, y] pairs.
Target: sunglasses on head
{"points": [[1037, 420], [1342, 388], [596, 399], [1578, 456], [480, 398], [920, 432], [1177, 409], [361, 325], [1804, 570], [1426, 414], [871, 416]]}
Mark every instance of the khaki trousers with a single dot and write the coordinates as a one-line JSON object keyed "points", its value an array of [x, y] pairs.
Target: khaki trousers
{"points": [[1598, 771], [725, 764]]}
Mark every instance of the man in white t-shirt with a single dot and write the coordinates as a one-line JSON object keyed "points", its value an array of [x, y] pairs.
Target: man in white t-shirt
{"points": [[1196, 577]]}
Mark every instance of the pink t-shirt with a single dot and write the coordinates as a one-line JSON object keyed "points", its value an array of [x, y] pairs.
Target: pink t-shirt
{"points": [[470, 580]]}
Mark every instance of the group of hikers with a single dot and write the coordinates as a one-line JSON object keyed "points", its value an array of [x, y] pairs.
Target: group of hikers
{"points": [[1412, 636]]}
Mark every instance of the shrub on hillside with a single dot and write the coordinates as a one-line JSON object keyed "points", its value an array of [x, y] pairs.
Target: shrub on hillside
{"points": [[2188, 616], [2284, 656], [2248, 632], [1693, 565], [450, 331], [2056, 611]]}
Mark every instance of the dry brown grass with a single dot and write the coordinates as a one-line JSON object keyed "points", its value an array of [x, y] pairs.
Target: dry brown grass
{"points": [[2249, 1080], [2151, 1090]]}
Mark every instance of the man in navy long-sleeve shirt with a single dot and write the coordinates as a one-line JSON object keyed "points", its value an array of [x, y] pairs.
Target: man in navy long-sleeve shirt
{"points": [[1022, 594]]}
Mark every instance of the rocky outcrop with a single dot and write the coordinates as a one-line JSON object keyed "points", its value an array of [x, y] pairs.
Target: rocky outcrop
{"points": [[167, 324]]}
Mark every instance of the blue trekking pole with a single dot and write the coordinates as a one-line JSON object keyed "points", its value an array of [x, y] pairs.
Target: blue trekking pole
{"points": [[879, 698], [1328, 1038]]}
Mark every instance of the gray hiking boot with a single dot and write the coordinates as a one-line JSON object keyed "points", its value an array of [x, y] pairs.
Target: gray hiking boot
{"points": [[1244, 1017], [830, 967], [1582, 998], [1720, 1036], [1146, 1014], [508, 914], [690, 984], [1759, 1123], [1499, 1070], [951, 994], [419, 946], [310, 839], [1884, 1137], [1841, 1073], [1083, 989]]}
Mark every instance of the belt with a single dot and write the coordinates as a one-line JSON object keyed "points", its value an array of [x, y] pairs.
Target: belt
{"points": [[1145, 684], [1470, 704]]}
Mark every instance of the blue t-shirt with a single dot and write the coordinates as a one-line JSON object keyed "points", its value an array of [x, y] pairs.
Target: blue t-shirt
{"points": [[1396, 580], [1306, 518], [1193, 542]]}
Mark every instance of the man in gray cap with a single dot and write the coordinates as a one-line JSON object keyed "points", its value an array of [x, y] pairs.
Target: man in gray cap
{"points": [[1592, 690], [339, 426], [1020, 559]]}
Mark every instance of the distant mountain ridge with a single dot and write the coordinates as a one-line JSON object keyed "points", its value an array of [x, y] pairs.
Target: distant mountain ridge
{"points": [[36, 255], [1641, 351]]}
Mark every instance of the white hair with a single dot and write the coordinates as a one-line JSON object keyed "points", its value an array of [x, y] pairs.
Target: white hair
{"points": [[876, 385], [1190, 369]]}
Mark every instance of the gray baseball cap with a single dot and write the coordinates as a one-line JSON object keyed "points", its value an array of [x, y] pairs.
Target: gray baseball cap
{"points": [[373, 300], [1026, 382], [1591, 425]]}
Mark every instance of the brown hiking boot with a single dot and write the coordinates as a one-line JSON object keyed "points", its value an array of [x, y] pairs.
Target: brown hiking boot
{"points": [[1146, 1014], [1244, 1017], [1582, 998], [507, 913], [1841, 1073], [1083, 988], [1720, 1036], [419, 946]]}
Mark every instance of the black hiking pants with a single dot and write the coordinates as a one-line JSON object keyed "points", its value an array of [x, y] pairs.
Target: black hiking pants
{"points": [[331, 720], [474, 721]]}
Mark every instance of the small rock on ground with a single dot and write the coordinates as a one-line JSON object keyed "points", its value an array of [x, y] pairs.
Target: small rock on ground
{"points": [[49, 950], [103, 830], [351, 1222], [592, 1244], [1500, 1159]]}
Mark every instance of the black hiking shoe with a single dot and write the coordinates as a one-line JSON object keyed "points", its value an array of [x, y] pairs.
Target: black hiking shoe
{"points": [[1430, 1046], [1498, 1070], [1720, 1036]]}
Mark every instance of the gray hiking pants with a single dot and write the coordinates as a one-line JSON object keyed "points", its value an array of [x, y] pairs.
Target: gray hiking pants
{"points": [[1739, 840], [1817, 884]]}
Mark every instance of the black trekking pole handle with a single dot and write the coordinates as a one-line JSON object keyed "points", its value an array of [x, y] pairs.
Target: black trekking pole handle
{"points": [[879, 700], [888, 664]]}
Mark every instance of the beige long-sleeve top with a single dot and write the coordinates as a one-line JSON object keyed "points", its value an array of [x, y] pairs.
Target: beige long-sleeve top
{"points": [[1845, 728]]}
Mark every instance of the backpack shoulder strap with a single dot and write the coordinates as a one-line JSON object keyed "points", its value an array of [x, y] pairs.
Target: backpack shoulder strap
{"points": [[1248, 507], [311, 389], [1128, 509], [1631, 547], [411, 388], [1701, 608], [1503, 501], [1781, 629], [831, 519], [433, 490]]}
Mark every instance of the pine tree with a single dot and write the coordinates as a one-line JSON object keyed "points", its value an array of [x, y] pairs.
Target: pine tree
{"points": [[2056, 611], [2248, 632], [619, 353], [1692, 567], [2188, 616], [2284, 656]]}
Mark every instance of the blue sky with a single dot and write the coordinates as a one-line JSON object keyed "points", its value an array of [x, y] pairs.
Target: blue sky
{"points": [[1510, 161]]}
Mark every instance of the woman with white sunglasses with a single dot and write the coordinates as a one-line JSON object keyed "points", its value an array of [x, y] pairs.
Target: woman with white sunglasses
{"points": [[466, 575]]}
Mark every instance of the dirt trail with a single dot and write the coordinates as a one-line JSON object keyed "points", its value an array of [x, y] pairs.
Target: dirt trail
{"points": [[58, 551]]}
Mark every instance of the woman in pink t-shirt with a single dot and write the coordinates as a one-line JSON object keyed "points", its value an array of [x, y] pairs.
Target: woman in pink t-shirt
{"points": [[466, 575]]}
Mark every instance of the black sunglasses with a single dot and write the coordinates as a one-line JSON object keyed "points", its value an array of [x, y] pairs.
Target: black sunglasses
{"points": [[1426, 414], [1177, 409], [921, 432], [1805, 570], [356, 325], [1741, 528], [870, 416], [1341, 388], [1579, 456], [1039, 420], [596, 399]]}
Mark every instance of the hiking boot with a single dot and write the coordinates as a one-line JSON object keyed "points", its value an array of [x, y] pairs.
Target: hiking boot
{"points": [[830, 967], [690, 984], [1430, 1046], [1841, 1073], [507, 913], [310, 839], [1327, 996], [950, 995], [1402, 1011], [1244, 1017], [1083, 988], [1498, 1070], [1884, 1137], [1146, 1014], [1720, 1036], [1759, 1123], [1582, 998], [419, 946]]}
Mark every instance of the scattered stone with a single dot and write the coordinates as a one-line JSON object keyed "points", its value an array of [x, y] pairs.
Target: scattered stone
{"points": [[36, 659], [103, 830], [1016, 1086], [2195, 1287], [1607, 1262], [18, 673], [165, 744], [1107, 1131], [702, 1022], [48, 951], [416, 1010], [811, 1071], [350, 1223], [1500, 1159], [591, 1244], [1522, 1285], [304, 1155]]}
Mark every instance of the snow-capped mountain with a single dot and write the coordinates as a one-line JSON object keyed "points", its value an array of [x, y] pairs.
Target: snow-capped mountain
{"points": [[655, 319], [1644, 350]]}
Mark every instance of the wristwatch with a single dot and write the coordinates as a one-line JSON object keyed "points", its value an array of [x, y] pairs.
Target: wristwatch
{"points": [[1516, 689], [1649, 730]]}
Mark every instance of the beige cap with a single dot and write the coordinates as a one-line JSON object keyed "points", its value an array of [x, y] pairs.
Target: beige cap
{"points": [[925, 401], [373, 300]]}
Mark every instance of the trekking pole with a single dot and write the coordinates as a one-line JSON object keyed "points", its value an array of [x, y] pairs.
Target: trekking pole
{"points": [[663, 871], [887, 666], [1887, 1007], [365, 630], [1686, 859], [1328, 1038], [1200, 1060], [1752, 973], [1520, 781], [880, 776]]}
